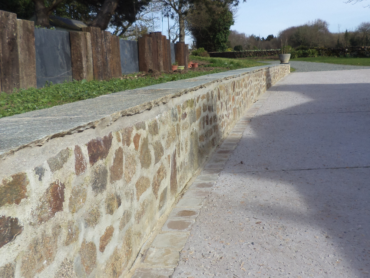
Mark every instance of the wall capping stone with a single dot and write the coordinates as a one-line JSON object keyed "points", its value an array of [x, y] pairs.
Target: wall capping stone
{"points": [[40, 138]]}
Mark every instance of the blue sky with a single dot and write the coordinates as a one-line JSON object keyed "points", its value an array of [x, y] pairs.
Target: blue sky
{"points": [[264, 17]]}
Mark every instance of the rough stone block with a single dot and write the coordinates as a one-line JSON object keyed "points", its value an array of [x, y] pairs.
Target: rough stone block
{"points": [[13, 190], [162, 257], [171, 240], [158, 178], [9, 229], [88, 256], [99, 148], [51, 202], [7, 271], [176, 225], [116, 170], [141, 186], [153, 273], [106, 238]]}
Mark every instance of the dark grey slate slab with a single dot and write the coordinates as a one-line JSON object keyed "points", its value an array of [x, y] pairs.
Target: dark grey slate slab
{"points": [[53, 56], [129, 56], [173, 53]]}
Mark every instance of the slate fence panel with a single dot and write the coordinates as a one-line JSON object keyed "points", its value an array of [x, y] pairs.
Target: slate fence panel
{"points": [[53, 56], [173, 55], [129, 56]]}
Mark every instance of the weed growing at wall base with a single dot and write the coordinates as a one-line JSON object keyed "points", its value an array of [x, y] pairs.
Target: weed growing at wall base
{"points": [[51, 95]]}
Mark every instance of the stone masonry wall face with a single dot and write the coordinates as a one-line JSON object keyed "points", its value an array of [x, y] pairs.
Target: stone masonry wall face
{"points": [[97, 202]]}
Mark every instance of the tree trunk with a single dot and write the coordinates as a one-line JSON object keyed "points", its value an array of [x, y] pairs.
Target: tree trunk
{"points": [[182, 28], [105, 14], [42, 14]]}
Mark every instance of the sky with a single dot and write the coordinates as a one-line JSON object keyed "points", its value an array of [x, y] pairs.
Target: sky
{"points": [[265, 17]]}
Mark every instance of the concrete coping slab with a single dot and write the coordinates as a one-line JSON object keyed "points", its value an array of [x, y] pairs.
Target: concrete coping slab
{"points": [[37, 127]]}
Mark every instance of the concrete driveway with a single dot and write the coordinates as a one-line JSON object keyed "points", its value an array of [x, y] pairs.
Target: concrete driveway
{"points": [[294, 197], [301, 66]]}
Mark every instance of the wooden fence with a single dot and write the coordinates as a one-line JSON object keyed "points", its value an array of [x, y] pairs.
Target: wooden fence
{"points": [[95, 54]]}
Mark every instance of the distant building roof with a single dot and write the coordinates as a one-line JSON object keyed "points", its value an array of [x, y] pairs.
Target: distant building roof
{"points": [[64, 23]]}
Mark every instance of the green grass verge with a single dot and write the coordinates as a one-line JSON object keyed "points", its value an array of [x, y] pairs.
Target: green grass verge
{"points": [[339, 61], [228, 63], [292, 69], [22, 101]]}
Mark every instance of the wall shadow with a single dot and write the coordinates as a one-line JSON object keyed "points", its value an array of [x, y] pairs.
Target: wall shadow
{"points": [[317, 141]]}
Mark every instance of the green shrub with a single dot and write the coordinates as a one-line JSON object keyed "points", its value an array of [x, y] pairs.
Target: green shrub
{"points": [[294, 55], [312, 53], [301, 47], [200, 52], [238, 48]]}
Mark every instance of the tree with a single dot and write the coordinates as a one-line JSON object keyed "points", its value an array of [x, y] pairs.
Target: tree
{"points": [[43, 9], [364, 30], [270, 37], [23, 8], [176, 9], [114, 12], [179, 9], [346, 38], [210, 24], [143, 24], [96, 13]]}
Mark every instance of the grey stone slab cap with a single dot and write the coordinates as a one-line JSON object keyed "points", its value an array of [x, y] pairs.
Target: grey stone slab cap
{"points": [[21, 130]]}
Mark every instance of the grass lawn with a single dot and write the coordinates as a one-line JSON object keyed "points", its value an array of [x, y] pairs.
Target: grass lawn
{"points": [[22, 101], [334, 60]]}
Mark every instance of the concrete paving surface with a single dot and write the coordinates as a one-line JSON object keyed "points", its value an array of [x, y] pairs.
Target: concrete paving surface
{"points": [[301, 66], [293, 199]]}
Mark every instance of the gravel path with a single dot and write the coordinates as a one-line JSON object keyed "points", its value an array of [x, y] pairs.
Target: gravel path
{"points": [[293, 199], [311, 66]]}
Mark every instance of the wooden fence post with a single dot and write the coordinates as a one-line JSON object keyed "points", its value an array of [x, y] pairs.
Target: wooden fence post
{"points": [[169, 57], [155, 64], [26, 54], [160, 50], [107, 54], [186, 56], [165, 54], [9, 59], [180, 53], [81, 56], [115, 59], [97, 51], [145, 53], [17, 53]]}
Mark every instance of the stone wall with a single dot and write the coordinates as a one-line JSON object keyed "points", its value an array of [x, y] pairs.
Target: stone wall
{"points": [[82, 204]]}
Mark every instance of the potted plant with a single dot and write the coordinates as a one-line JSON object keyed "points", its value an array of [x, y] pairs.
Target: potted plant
{"points": [[181, 67], [190, 64], [174, 66], [285, 55], [195, 65]]}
